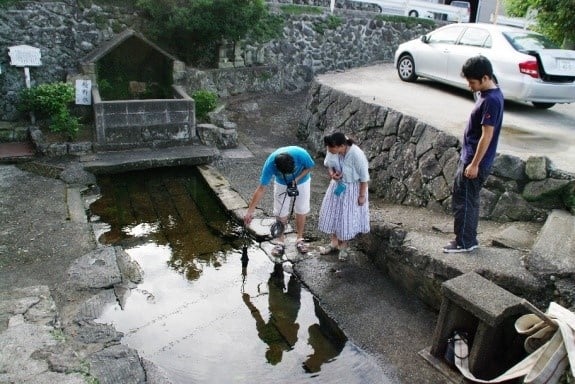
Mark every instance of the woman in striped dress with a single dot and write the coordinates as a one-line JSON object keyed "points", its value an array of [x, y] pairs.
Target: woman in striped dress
{"points": [[344, 212]]}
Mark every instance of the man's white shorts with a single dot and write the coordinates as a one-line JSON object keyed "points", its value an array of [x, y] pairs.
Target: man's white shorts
{"points": [[282, 202]]}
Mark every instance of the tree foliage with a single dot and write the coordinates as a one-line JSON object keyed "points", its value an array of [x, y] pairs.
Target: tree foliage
{"points": [[195, 28], [555, 18]]}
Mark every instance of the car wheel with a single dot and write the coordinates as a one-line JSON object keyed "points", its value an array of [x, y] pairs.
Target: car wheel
{"points": [[406, 68], [413, 14], [543, 105]]}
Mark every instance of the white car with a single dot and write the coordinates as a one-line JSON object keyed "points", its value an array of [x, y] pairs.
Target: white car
{"points": [[527, 66]]}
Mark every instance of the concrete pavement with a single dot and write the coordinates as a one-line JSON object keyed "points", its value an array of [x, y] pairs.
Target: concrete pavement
{"points": [[42, 239]]}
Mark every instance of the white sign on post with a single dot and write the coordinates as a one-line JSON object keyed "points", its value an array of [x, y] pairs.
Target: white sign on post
{"points": [[83, 92], [24, 56]]}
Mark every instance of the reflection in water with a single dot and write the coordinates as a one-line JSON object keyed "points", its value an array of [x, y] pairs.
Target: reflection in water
{"points": [[189, 314], [326, 339], [165, 207], [280, 331]]}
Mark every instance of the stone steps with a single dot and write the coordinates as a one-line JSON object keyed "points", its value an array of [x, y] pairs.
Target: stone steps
{"points": [[554, 248]]}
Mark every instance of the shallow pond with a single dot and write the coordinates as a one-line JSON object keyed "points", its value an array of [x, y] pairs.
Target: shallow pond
{"points": [[198, 314]]}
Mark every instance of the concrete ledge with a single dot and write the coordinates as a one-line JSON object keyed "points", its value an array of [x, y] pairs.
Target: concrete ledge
{"points": [[76, 211], [122, 161]]}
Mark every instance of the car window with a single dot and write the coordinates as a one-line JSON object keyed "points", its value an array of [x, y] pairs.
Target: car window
{"points": [[525, 41], [474, 37], [460, 4], [445, 36]]}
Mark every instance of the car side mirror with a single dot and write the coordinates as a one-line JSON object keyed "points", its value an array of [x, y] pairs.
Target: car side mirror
{"points": [[423, 38]]}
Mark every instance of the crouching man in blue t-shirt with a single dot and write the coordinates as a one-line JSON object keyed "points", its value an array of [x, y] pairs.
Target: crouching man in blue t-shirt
{"points": [[289, 168]]}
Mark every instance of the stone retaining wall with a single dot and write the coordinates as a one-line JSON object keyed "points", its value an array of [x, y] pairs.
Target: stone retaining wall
{"points": [[413, 163], [310, 45], [65, 32]]}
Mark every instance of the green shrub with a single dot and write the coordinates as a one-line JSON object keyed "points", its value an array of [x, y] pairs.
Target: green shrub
{"points": [[206, 102], [332, 22], [269, 27], [6, 3], [51, 101]]}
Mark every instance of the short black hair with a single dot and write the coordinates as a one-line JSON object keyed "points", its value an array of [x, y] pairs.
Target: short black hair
{"points": [[284, 163], [477, 67]]}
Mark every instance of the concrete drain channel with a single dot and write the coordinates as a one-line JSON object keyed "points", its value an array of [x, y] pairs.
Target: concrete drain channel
{"points": [[196, 314]]}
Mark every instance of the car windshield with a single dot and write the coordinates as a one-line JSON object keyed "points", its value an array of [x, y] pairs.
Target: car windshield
{"points": [[525, 41]]}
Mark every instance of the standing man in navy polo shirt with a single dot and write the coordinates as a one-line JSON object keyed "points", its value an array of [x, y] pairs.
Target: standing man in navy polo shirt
{"points": [[477, 154]]}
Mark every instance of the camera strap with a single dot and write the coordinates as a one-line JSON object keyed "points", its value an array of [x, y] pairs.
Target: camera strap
{"points": [[286, 195]]}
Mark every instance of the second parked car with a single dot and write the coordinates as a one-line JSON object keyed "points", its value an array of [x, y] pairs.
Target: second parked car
{"points": [[527, 66]]}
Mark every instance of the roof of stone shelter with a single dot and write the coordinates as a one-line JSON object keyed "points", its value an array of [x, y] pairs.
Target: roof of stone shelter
{"points": [[109, 45]]}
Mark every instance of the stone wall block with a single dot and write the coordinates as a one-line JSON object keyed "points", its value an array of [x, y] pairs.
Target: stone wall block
{"points": [[488, 201], [392, 120], [56, 150], [510, 167], [424, 136], [397, 191], [512, 207], [536, 167], [439, 188], [429, 166], [444, 142], [417, 194], [500, 184], [450, 162], [380, 116], [548, 193], [406, 127], [81, 148]]}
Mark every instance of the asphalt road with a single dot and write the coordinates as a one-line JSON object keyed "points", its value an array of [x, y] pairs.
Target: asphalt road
{"points": [[526, 131]]}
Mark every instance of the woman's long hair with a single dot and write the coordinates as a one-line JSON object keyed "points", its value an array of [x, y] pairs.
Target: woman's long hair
{"points": [[336, 139]]}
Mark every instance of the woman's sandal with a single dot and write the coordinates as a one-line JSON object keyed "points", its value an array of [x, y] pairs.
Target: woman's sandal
{"points": [[329, 249], [301, 246]]}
